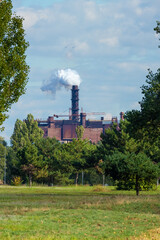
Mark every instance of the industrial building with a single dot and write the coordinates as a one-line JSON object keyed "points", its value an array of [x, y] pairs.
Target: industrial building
{"points": [[64, 129]]}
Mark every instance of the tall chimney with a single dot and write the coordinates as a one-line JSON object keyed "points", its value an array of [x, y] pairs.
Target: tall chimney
{"points": [[122, 115], [75, 103]]}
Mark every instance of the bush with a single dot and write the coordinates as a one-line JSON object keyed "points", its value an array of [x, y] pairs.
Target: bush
{"points": [[99, 188], [16, 181]]}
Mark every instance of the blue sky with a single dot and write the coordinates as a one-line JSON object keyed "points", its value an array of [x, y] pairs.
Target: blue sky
{"points": [[111, 44]]}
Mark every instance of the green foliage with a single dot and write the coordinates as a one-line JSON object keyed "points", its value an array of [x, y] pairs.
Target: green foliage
{"points": [[132, 169], [2, 158], [79, 132], [157, 28], [16, 181], [25, 132], [123, 159], [144, 125], [55, 161], [148, 118], [81, 154], [24, 153], [12, 162], [13, 67], [34, 132], [151, 99], [114, 139]]}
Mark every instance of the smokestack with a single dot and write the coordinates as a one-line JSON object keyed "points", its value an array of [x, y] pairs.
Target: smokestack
{"points": [[122, 115], [75, 103]]}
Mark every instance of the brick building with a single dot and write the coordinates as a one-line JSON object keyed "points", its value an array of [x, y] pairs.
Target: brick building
{"points": [[64, 130]]}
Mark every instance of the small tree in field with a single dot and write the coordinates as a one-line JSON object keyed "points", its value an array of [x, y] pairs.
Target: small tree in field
{"points": [[131, 168]]}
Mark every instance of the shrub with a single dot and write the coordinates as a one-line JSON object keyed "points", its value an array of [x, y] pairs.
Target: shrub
{"points": [[16, 181]]}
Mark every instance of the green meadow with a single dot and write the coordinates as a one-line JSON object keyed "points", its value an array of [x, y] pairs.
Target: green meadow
{"points": [[81, 212]]}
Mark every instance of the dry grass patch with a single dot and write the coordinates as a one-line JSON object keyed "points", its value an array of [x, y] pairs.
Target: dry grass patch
{"points": [[23, 210], [100, 188], [153, 234]]}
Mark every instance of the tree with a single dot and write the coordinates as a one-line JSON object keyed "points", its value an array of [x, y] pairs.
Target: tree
{"points": [[25, 132], [75, 149], [20, 137], [132, 170], [151, 99], [13, 67], [81, 154], [157, 28], [124, 158], [144, 125], [12, 163], [28, 157], [49, 158], [149, 114], [23, 142], [114, 139]]}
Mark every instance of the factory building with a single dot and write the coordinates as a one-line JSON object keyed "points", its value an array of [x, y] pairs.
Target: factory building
{"points": [[64, 130]]}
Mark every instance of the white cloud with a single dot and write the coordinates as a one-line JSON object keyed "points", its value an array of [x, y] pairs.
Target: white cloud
{"points": [[135, 105], [118, 88], [96, 28], [81, 47], [111, 42], [31, 17], [90, 10], [132, 66]]}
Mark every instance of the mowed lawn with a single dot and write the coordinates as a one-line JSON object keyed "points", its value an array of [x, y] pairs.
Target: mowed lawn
{"points": [[82, 212]]}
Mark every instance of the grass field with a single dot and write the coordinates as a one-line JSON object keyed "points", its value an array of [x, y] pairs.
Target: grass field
{"points": [[78, 213]]}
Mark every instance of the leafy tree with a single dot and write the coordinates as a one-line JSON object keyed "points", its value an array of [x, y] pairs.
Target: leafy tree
{"points": [[149, 115], [114, 139], [20, 137], [151, 99], [28, 157], [74, 148], [23, 142], [25, 132], [49, 158], [157, 28], [12, 163], [81, 155], [34, 132], [131, 169], [124, 158], [144, 125], [13, 67]]}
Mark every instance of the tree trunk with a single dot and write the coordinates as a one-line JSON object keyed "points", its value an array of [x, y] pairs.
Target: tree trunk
{"points": [[76, 178], [82, 177], [50, 181], [137, 185], [103, 179], [30, 180]]}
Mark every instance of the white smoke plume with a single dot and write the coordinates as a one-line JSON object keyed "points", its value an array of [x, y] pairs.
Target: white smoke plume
{"points": [[61, 78]]}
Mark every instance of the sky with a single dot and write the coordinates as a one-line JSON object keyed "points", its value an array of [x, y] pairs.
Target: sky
{"points": [[111, 44]]}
